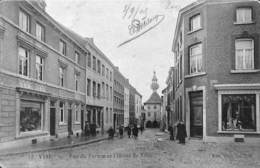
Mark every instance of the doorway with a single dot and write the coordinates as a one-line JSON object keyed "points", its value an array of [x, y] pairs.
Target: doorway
{"points": [[70, 121], [52, 118], [196, 114]]}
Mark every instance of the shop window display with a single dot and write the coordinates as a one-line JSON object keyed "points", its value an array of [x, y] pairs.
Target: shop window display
{"points": [[30, 116], [239, 112]]}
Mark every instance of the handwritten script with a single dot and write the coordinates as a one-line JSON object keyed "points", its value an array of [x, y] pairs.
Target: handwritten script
{"points": [[140, 22]]}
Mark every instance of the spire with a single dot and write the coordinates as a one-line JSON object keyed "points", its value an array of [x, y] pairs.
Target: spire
{"points": [[154, 85]]}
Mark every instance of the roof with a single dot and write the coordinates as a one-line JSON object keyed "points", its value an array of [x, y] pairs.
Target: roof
{"points": [[154, 99]]}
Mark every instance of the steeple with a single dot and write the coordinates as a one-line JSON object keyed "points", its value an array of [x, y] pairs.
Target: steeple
{"points": [[154, 85]]}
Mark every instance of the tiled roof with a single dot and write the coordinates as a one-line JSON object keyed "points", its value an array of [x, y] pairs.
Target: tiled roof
{"points": [[154, 99]]}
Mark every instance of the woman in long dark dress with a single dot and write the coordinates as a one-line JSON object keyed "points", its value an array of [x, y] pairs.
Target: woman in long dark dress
{"points": [[128, 131], [181, 132]]}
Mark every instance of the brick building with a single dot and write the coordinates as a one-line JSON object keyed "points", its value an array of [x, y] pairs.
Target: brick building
{"points": [[216, 46]]}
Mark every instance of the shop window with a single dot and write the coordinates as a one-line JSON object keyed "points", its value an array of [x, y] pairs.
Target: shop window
{"points": [[30, 116], [239, 112]]}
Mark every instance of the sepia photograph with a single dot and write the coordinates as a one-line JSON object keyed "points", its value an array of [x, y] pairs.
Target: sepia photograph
{"points": [[129, 83]]}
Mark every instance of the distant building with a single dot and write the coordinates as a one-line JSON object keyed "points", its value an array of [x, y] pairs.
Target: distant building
{"points": [[152, 106]]}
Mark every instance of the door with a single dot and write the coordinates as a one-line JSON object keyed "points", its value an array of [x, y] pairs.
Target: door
{"points": [[70, 122], [82, 120], [52, 120], [196, 114]]}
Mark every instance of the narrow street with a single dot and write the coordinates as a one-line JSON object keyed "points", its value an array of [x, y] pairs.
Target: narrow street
{"points": [[150, 150]]}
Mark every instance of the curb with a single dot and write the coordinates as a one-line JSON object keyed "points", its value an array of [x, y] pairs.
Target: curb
{"points": [[55, 148]]}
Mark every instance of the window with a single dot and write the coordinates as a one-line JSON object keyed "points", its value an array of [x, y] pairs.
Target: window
{"points": [[98, 66], [107, 94], [244, 15], [40, 32], [23, 61], [154, 107], [196, 58], [244, 54], [110, 76], [94, 89], [77, 113], [61, 76], [195, 22], [111, 95], [77, 57], [88, 87], [98, 91], [62, 112], [89, 59], [94, 63], [63, 47], [24, 21], [239, 112], [30, 116], [39, 68], [149, 114], [107, 73], [76, 82], [148, 107], [103, 89], [103, 70]]}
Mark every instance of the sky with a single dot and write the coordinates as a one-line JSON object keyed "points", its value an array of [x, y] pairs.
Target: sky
{"points": [[144, 27]]}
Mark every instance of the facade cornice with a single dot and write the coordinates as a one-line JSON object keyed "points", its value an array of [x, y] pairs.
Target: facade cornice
{"points": [[244, 86]]}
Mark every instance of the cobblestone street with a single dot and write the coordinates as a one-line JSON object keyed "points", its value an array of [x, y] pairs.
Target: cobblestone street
{"points": [[145, 152]]}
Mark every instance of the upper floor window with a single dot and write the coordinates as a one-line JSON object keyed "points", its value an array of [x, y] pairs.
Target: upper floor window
{"points": [[195, 22], [103, 89], [110, 76], [61, 76], [63, 47], [94, 63], [23, 61], [244, 54], [76, 82], [77, 57], [89, 59], [88, 87], [40, 32], [103, 70], [195, 58], [107, 74], [99, 66], [39, 68], [24, 21], [244, 15], [94, 90], [98, 91]]}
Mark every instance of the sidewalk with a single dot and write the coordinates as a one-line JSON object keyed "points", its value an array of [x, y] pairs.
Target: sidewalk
{"points": [[54, 144]]}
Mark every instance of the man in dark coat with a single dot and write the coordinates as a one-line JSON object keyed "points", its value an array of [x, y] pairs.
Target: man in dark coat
{"points": [[181, 132], [87, 131], [128, 128], [111, 133], [121, 131], [170, 129], [135, 131]]}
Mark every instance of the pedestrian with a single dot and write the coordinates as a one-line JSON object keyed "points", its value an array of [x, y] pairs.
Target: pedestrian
{"points": [[128, 128], [181, 132], [87, 131], [135, 132], [142, 128], [170, 129], [121, 131], [111, 133]]}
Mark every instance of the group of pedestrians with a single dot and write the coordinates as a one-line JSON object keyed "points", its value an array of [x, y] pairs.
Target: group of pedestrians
{"points": [[132, 131], [179, 130]]}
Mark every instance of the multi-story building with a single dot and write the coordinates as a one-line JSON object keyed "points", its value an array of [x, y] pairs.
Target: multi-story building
{"points": [[126, 103], [171, 115], [99, 88], [42, 72], [119, 85], [152, 106], [217, 68], [132, 105], [138, 106]]}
